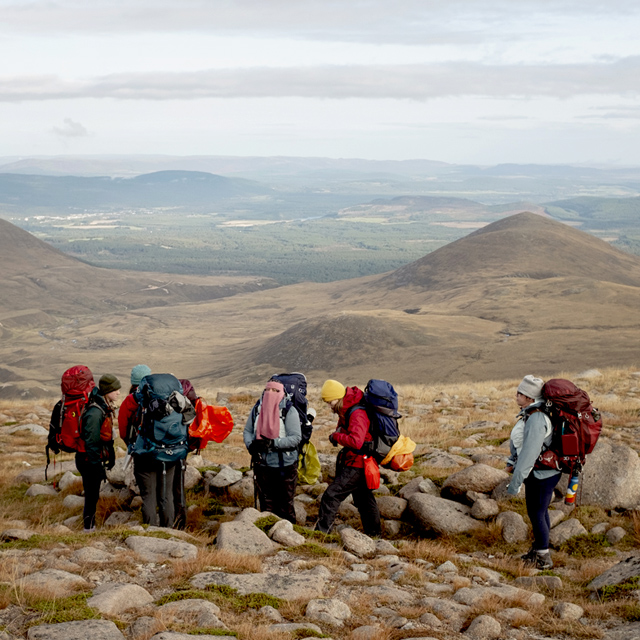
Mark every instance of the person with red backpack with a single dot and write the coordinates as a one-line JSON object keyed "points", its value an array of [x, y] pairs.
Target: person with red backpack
{"points": [[531, 435], [352, 432], [97, 453]]}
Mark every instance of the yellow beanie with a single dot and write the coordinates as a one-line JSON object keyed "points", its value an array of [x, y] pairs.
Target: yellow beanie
{"points": [[332, 390]]}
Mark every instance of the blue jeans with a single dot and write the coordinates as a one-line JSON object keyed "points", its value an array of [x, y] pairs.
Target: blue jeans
{"points": [[538, 499]]}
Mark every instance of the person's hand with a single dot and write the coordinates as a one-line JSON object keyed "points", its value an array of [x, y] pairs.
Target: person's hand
{"points": [[509, 468], [261, 445], [332, 440]]}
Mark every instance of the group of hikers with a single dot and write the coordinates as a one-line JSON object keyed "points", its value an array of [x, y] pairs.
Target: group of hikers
{"points": [[272, 435]]}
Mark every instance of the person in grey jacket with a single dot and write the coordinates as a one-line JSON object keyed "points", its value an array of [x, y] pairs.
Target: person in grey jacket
{"points": [[272, 435], [529, 438]]}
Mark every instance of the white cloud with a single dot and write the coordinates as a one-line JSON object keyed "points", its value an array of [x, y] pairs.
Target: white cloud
{"points": [[70, 129], [412, 82]]}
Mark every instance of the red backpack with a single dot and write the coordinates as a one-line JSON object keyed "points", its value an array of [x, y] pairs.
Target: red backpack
{"points": [[64, 429], [576, 426]]}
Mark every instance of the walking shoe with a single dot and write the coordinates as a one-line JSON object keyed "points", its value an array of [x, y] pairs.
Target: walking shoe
{"points": [[530, 556], [92, 530], [543, 560], [538, 559]]}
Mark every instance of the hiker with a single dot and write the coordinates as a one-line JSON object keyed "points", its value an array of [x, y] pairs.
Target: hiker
{"points": [[271, 435], [529, 437], [179, 497], [351, 432], [97, 417], [128, 415]]}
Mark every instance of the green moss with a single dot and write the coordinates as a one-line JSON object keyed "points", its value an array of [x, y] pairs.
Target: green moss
{"points": [[620, 590], [266, 523], [588, 545], [213, 507], [241, 603], [186, 594], [203, 631], [63, 610], [310, 534], [215, 468], [310, 549]]}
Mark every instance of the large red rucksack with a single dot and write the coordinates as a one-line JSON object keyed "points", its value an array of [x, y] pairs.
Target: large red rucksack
{"points": [[64, 428], [576, 426]]}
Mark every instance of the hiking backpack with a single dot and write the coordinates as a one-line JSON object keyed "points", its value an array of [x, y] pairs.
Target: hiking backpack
{"points": [[66, 420], [163, 435], [295, 386], [380, 401], [576, 426]]}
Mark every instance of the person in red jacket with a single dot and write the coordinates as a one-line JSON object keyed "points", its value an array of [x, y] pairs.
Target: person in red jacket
{"points": [[351, 433]]}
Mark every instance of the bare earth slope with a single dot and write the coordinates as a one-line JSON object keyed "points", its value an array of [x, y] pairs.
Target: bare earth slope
{"points": [[525, 294]]}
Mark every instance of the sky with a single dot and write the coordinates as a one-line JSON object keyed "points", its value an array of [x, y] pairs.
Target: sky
{"points": [[460, 81]]}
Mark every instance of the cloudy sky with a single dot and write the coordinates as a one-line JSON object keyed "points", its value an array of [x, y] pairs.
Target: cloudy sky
{"points": [[465, 81]]}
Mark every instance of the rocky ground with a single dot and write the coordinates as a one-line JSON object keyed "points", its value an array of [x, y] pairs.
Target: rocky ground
{"points": [[446, 566]]}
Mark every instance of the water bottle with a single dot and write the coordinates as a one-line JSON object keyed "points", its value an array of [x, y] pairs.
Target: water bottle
{"points": [[572, 487]]}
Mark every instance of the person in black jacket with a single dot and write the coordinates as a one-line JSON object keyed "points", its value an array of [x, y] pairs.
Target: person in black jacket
{"points": [[90, 458]]}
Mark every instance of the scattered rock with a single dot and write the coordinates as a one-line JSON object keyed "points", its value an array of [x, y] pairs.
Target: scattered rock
{"points": [[440, 515], [514, 529], [114, 600], [77, 630], [357, 543], [565, 531], [159, 550], [568, 611], [244, 537]]}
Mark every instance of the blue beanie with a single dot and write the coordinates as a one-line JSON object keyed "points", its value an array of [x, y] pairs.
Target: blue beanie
{"points": [[138, 372]]}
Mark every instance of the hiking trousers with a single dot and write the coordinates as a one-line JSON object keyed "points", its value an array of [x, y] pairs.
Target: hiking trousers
{"points": [[276, 489], [92, 476], [538, 498], [349, 480], [155, 481], [179, 497]]}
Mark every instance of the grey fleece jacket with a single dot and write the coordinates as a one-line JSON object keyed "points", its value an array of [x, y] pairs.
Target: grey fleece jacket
{"points": [[537, 438], [285, 445]]}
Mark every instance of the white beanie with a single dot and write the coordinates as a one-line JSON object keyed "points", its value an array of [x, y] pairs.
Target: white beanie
{"points": [[531, 387]]}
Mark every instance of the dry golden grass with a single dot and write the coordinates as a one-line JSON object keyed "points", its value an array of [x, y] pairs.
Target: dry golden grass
{"points": [[209, 560]]}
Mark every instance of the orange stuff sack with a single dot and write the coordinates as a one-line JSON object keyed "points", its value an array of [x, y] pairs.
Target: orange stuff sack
{"points": [[402, 462], [210, 423]]}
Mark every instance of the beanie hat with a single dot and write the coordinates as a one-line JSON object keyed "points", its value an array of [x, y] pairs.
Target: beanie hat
{"points": [[138, 372], [332, 390], [108, 383], [531, 387]]}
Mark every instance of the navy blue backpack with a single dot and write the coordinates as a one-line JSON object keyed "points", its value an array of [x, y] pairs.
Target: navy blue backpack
{"points": [[295, 386], [163, 434], [380, 401]]}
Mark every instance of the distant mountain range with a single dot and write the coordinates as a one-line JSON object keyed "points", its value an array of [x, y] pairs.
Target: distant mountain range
{"points": [[160, 189]]}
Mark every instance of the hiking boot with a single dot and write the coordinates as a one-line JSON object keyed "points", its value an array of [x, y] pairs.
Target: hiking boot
{"points": [[538, 559], [543, 560]]}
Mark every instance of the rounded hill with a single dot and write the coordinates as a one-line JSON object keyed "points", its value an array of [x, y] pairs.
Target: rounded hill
{"points": [[343, 340], [524, 245]]}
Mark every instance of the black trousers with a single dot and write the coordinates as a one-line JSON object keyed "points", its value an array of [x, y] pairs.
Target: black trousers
{"points": [[155, 481], [276, 489], [179, 497], [349, 480], [538, 498], [92, 476]]}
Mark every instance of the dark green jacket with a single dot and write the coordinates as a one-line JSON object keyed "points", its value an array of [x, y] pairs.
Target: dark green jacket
{"points": [[92, 418]]}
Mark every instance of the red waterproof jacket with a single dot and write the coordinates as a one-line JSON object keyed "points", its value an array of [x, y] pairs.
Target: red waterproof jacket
{"points": [[126, 414], [356, 433]]}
